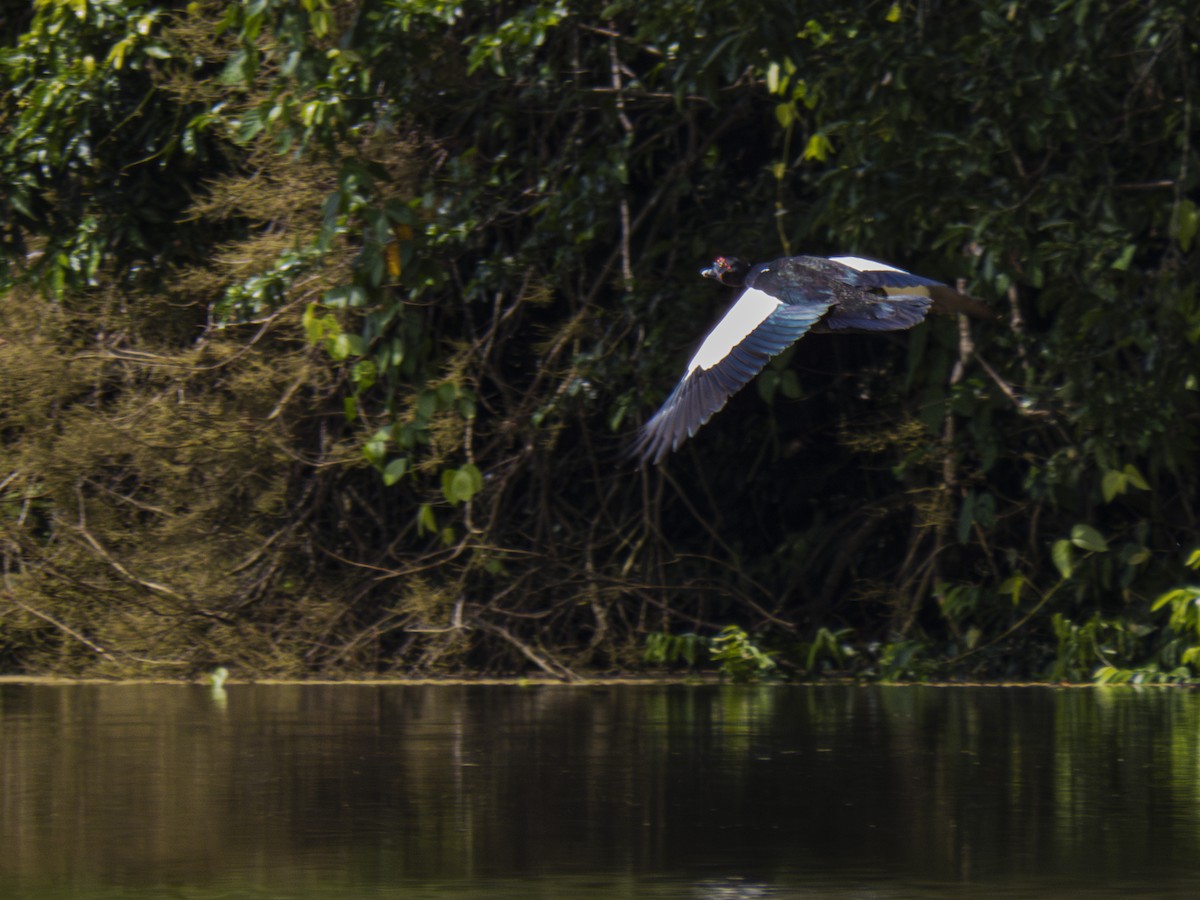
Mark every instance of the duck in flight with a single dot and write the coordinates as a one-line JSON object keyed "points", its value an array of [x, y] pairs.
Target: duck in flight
{"points": [[782, 301]]}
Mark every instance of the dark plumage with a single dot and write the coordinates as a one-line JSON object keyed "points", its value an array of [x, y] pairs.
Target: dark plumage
{"points": [[783, 300]]}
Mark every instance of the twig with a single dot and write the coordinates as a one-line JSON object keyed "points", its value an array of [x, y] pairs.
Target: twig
{"points": [[67, 629], [1148, 185], [611, 32], [627, 126], [12, 475], [107, 557], [456, 622], [555, 670], [1007, 390]]}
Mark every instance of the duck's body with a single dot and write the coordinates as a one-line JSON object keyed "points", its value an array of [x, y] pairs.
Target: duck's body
{"points": [[783, 300]]}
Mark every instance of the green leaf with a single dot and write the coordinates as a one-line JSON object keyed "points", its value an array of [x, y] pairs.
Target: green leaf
{"points": [[318, 327], [20, 201], [426, 521], [773, 78], [395, 470], [766, 383], [1139, 556], [1170, 597], [1012, 587], [476, 477], [363, 375], [1112, 484], [1088, 538], [375, 451], [345, 296], [426, 404], [818, 147], [1060, 553], [239, 69], [397, 352], [966, 518], [448, 485], [1134, 477], [460, 485], [1185, 223], [1193, 560], [346, 345], [251, 124], [116, 55], [464, 485], [1126, 257]]}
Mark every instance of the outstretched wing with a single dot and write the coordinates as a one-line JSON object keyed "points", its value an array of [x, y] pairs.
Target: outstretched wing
{"points": [[756, 328]]}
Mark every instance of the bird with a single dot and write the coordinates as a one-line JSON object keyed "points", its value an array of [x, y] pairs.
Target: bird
{"points": [[781, 301]]}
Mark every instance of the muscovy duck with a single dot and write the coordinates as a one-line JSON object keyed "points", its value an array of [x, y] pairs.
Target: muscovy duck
{"points": [[783, 300]]}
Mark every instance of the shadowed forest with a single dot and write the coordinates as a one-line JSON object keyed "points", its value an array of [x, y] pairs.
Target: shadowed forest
{"points": [[326, 328]]}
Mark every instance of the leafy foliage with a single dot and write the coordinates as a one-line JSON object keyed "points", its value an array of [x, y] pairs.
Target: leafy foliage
{"points": [[739, 657], [96, 167]]}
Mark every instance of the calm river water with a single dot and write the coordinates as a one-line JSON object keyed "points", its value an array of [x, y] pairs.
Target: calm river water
{"points": [[307, 791]]}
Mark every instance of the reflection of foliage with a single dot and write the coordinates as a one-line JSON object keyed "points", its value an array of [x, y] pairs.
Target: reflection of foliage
{"points": [[444, 254]]}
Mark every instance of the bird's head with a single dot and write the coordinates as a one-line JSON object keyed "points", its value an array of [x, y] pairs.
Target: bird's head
{"points": [[728, 270]]}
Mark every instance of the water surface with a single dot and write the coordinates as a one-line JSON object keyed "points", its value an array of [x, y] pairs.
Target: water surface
{"points": [[304, 791]]}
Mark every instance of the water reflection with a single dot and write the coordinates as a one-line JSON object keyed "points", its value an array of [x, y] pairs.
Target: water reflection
{"points": [[306, 791]]}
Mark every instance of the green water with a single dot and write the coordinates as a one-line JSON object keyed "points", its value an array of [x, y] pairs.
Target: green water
{"points": [[490, 791]]}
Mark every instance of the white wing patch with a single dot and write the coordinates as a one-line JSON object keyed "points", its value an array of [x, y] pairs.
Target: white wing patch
{"points": [[866, 265], [750, 311]]}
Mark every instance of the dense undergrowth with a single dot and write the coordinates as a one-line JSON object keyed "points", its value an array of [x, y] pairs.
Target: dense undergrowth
{"points": [[325, 327]]}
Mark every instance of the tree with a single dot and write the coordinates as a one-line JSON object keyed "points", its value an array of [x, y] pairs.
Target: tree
{"points": [[494, 263]]}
